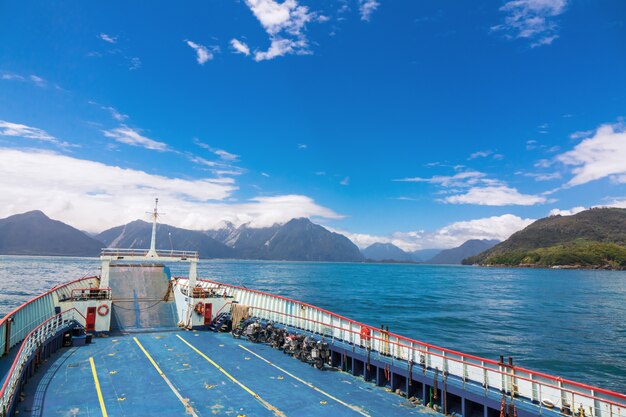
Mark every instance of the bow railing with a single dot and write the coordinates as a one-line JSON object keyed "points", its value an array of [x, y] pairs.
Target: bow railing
{"points": [[19, 322], [536, 389], [30, 347]]}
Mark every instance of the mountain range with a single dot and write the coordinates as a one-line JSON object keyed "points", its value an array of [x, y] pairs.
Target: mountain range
{"points": [[388, 252], [34, 233], [456, 255]]}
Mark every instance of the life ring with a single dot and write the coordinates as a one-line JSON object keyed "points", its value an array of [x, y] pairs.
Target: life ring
{"points": [[103, 310], [365, 333], [547, 403], [199, 307]]}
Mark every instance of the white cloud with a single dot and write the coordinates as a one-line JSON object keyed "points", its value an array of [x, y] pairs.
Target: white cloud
{"points": [[134, 63], [366, 8], [280, 47], [616, 202], [226, 156], [497, 195], [485, 154], [129, 136], [240, 47], [28, 132], [108, 38], [284, 23], [479, 154], [203, 54], [38, 81], [302, 146], [345, 181], [93, 196], [452, 235], [223, 155], [33, 79], [572, 211], [473, 187], [531, 19], [112, 110], [546, 176], [599, 156], [461, 179]]}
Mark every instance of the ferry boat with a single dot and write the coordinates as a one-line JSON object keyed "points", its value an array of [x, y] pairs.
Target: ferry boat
{"points": [[137, 341]]}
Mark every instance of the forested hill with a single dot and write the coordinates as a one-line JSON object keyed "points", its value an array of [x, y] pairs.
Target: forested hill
{"points": [[591, 238]]}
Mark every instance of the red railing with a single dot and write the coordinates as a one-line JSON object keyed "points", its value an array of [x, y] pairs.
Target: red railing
{"points": [[27, 316], [32, 342], [533, 385]]}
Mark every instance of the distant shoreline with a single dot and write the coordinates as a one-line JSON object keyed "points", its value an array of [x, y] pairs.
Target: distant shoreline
{"points": [[566, 267]]}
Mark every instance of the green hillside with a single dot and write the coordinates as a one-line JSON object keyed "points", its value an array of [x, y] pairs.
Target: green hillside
{"points": [[592, 238]]}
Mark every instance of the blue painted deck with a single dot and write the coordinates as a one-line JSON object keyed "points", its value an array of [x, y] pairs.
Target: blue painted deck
{"points": [[131, 385]]}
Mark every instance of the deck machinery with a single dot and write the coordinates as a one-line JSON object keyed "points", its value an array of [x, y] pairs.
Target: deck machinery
{"points": [[136, 341]]}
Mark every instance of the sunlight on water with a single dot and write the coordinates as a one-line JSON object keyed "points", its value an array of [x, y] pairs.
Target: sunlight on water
{"points": [[568, 323]]}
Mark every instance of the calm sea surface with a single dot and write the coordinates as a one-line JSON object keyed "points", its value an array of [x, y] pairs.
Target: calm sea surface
{"points": [[567, 323]]}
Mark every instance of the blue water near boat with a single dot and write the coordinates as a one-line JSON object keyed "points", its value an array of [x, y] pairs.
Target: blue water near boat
{"points": [[565, 322]]}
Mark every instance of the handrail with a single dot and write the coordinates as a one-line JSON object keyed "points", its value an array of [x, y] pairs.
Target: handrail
{"points": [[143, 252], [50, 291], [504, 373], [15, 325], [90, 294], [31, 343], [557, 379], [489, 373]]}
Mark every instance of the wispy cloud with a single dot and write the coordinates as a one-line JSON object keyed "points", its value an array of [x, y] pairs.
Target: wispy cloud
{"points": [[132, 137], [302, 146], [367, 8], [485, 154], [345, 181], [543, 176], [203, 53], [473, 187], [479, 154], [599, 156], [222, 154], [108, 38], [29, 132], [133, 62], [240, 47], [115, 114], [534, 20], [460, 179], [32, 79]]}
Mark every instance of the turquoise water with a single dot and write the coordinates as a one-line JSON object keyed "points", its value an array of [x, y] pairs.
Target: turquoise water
{"points": [[568, 323]]}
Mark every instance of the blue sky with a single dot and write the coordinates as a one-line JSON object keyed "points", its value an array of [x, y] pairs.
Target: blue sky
{"points": [[421, 123]]}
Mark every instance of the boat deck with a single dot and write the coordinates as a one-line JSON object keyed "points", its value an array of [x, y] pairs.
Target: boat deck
{"points": [[199, 374]]}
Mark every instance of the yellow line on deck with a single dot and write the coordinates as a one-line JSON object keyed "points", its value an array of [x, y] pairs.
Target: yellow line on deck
{"points": [[185, 401], [267, 405], [308, 384], [95, 380]]}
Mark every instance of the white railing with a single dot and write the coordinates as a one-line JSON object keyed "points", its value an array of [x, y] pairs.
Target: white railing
{"points": [[33, 341], [122, 253], [533, 388], [30, 314]]}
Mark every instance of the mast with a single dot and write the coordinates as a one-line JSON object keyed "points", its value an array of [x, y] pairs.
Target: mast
{"points": [[152, 252]]}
